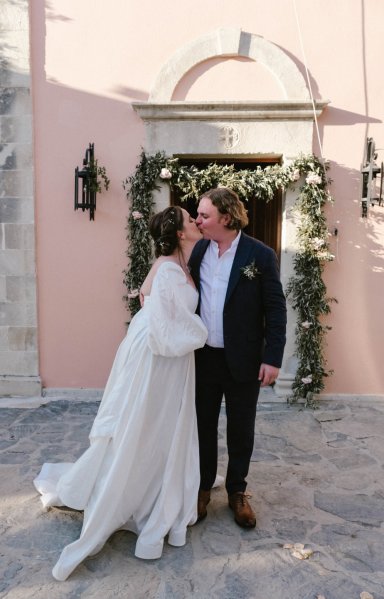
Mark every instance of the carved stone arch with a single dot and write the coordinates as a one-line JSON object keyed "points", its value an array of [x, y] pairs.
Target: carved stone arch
{"points": [[230, 42]]}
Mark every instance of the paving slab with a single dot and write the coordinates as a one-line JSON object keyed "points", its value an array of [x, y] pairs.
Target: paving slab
{"points": [[317, 482]]}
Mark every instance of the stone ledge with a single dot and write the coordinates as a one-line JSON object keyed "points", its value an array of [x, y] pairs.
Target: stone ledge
{"points": [[11, 395], [19, 386], [272, 110], [341, 397], [80, 393]]}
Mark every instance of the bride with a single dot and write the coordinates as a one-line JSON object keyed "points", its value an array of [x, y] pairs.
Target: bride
{"points": [[141, 470]]}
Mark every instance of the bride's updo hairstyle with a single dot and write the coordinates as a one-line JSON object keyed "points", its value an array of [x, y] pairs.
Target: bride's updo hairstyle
{"points": [[163, 228]]}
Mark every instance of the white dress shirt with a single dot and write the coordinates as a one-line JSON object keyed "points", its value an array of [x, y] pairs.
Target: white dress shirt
{"points": [[214, 277]]}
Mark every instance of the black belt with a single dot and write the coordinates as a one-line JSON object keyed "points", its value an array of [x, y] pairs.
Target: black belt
{"points": [[217, 349]]}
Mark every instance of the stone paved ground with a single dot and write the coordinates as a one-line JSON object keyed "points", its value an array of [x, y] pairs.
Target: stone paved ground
{"points": [[316, 478]]}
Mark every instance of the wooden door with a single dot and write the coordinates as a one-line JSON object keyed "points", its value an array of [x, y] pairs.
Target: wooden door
{"points": [[264, 217]]}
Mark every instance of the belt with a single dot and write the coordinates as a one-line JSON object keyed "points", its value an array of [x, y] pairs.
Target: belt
{"points": [[214, 349]]}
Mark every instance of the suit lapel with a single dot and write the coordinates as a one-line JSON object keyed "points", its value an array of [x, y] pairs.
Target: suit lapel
{"points": [[240, 260], [196, 258]]}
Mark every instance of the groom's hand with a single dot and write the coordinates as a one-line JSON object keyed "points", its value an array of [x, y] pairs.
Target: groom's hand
{"points": [[268, 374]]}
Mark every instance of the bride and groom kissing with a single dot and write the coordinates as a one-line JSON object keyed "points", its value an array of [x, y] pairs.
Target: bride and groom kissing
{"points": [[212, 324]]}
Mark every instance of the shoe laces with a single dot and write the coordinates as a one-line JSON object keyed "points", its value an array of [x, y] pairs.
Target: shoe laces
{"points": [[242, 497]]}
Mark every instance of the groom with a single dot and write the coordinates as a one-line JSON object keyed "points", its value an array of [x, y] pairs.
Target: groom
{"points": [[243, 307]]}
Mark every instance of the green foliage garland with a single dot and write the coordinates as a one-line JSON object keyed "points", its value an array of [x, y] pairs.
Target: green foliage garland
{"points": [[95, 172], [306, 288]]}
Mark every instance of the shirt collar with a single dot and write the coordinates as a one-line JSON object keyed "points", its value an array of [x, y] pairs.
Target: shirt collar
{"points": [[232, 248]]}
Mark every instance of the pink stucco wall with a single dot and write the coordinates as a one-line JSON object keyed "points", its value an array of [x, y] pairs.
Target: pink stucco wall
{"points": [[90, 60]]}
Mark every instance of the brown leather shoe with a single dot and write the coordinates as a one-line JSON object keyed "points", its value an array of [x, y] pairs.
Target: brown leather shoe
{"points": [[244, 514], [203, 499]]}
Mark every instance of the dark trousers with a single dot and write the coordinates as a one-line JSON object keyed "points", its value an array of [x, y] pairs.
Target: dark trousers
{"points": [[213, 380]]}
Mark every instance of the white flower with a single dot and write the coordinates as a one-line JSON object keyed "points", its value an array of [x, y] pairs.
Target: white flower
{"points": [[133, 293], [251, 270], [165, 173], [325, 256], [313, 179], [136, 215], [317, 242], [307, 379], [295, 176], [306, 324]]}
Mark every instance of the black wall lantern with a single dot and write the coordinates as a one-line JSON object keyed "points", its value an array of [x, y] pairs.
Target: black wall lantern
{"points": [[90, 184], [369, 172]]}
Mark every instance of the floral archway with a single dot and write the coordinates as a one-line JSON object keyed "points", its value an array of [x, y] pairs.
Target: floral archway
{"points": [[306, 289]]}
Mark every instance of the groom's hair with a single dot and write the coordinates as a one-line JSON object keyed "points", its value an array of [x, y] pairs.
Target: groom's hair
{"points": [[228, 202]]}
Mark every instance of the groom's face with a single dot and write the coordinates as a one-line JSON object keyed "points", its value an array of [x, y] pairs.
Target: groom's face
{"points": [[211, 223]]}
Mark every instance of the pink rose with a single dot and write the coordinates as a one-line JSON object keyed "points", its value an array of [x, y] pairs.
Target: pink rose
{"points": [[313, 179], [165, 173], [133, 293]]}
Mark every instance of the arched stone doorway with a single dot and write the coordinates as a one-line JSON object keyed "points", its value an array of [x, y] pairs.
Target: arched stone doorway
{"points": [[236, 129]]}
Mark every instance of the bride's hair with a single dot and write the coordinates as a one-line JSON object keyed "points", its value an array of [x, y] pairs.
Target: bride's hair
{"points": [[163, 228]]}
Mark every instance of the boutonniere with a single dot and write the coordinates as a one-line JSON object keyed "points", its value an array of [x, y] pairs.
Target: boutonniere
{"points": [[251, 271]]}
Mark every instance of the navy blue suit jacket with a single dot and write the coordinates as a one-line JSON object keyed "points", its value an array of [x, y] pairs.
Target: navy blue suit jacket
{"points": [[254, 315]]}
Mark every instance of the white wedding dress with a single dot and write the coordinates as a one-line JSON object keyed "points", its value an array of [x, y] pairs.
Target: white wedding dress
{"points": [[141, 471]]}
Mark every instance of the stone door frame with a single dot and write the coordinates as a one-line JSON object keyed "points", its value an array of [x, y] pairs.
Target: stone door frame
{"points": [[274, 129]]}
